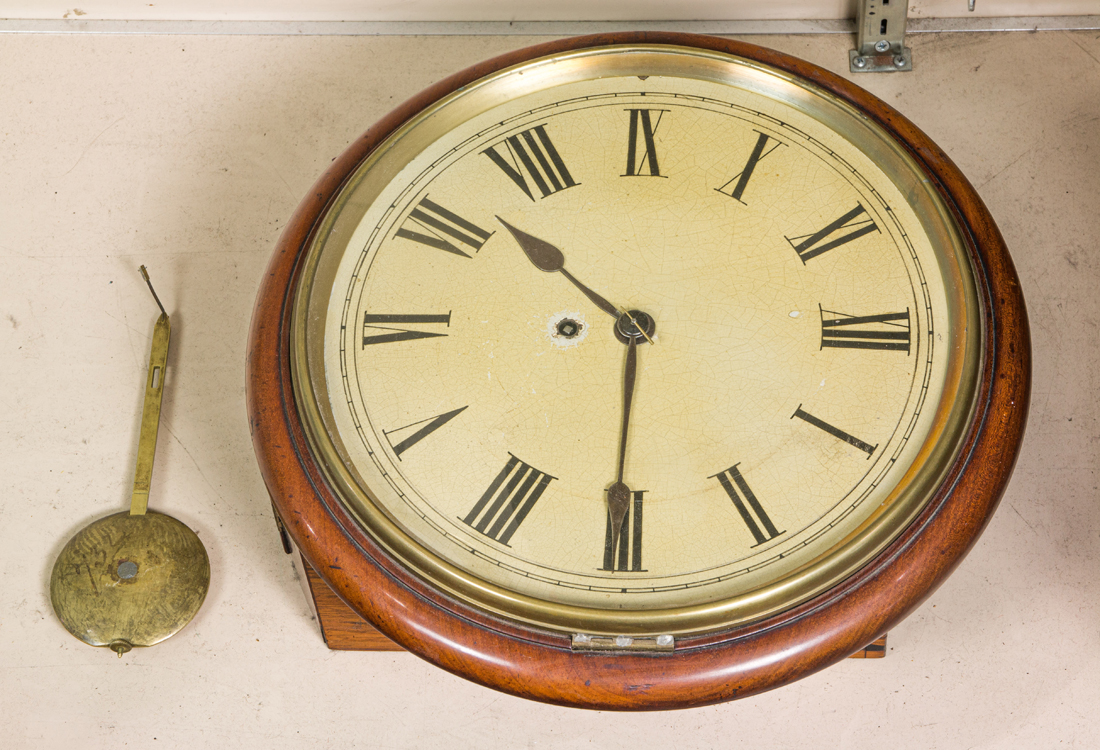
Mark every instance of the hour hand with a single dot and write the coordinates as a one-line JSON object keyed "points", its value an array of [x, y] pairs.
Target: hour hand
{"points": [[546, 257]]}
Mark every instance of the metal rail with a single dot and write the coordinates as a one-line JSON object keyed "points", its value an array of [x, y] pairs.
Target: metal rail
{"points": [[529, 28]]}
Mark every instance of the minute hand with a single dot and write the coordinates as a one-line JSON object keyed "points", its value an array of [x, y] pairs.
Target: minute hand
{"points": [[618, 494], [546, 257]]}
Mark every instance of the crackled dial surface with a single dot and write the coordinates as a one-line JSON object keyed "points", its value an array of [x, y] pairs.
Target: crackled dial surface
{"points": [[803, 384]]}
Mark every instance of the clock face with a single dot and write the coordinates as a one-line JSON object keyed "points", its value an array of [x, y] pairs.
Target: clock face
{"points": [[808, 375]]}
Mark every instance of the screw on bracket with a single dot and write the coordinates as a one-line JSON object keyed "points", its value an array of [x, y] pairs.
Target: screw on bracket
{"points": [[880, 37]]}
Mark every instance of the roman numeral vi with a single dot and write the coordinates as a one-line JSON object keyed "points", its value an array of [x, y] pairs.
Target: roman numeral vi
{"points": [[630, 539]]}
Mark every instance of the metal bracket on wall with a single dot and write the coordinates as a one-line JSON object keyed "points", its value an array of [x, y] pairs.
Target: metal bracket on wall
{"points": [[880, 37]]}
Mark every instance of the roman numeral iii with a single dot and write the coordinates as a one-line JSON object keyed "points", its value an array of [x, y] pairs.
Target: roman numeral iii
{"points": [[641, 158], [531, 153], [630, 539], [889, 331], [735, 188], [848, 227], [508, 501], [752, 512], [373, 323], [432, 225]]}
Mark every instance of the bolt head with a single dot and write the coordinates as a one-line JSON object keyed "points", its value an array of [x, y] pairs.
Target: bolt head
{"points": [[860, 62], [899, 62], [882, 45]]}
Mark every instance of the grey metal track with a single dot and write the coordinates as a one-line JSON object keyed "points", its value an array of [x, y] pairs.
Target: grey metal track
{"points": [[529, 28]]}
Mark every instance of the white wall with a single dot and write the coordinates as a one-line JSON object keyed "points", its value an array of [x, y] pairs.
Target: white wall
{"points": [[511, 10]]}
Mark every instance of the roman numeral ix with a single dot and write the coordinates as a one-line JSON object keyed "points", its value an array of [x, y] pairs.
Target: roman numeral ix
{"points": [[508, 501], [373, 322], [644, 163], [630, 539], [823, 240], [741, 180], [430, 224], [531, 153], [752, 512], [889, 331]]}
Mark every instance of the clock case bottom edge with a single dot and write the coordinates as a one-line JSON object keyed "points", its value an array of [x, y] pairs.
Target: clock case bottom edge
{"points": [[342, 629]]}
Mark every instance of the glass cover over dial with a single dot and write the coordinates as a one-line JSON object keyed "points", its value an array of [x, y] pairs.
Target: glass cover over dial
{"points": [[651, 340]]}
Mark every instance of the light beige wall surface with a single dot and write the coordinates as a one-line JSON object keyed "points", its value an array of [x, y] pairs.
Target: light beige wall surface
{"points": [[516, 10], [189, 154]]}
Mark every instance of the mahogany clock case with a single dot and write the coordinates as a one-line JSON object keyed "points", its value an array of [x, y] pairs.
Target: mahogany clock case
{"points": [[711, 667]]}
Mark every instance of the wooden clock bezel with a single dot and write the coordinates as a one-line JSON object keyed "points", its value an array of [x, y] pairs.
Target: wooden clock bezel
{"points": [[734, 663]]}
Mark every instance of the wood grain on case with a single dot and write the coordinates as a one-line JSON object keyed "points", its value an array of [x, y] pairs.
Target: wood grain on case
{"points": [[874, 650], [711, 668], [341, 627]]}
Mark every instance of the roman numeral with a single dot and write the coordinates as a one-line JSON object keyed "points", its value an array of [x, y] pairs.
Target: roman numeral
{"points": [[430, 224], [886, 331], [508, 501], [741, 180], [645, 163], [523, 151], [834, 431], [372, 322], [630, 539], [813, 245], [752, 512], [430, 425]]}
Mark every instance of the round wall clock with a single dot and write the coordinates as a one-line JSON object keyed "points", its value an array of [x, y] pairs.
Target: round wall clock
{"points": [[638, 371]]}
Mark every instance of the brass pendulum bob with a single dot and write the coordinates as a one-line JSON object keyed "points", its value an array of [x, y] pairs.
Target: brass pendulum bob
{"points": [[133, 578]]}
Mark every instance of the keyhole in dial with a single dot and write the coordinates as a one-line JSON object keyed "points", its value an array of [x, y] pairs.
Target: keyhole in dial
{"points": [[568, 328]]}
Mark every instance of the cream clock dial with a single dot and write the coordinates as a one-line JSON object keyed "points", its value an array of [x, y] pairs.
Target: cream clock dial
{"points": [[470, 363]]}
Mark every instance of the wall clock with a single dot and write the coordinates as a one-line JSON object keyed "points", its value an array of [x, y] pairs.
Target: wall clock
{"points": [[638, 371]]}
